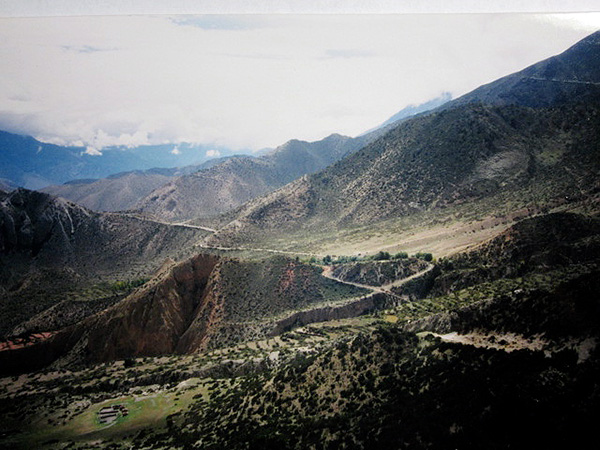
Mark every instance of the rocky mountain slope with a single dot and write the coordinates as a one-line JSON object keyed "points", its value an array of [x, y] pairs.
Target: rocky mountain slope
{"points": [[49, 246], [468, 151], [467, 154], [226, 186], [121, 191], [204, 302], [571, 76], [117, 193]]}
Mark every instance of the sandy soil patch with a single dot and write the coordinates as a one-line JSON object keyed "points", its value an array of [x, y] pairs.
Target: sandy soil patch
{"points": [[501, 341]]}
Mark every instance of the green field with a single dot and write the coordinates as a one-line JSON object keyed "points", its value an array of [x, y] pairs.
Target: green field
{"points": [[145, 410]]}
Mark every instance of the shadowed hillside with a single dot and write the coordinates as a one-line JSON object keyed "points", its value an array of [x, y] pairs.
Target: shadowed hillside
{"points": [[49, 246]]}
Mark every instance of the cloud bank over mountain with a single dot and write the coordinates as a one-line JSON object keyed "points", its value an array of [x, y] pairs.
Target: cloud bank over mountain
{"points": [[250, 81]]}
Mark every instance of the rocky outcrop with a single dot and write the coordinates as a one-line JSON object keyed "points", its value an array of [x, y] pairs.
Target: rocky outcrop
{"points": [[148, 322], [208, 316], [29, 220], [47, 231], [50, 247], [152, 320]]}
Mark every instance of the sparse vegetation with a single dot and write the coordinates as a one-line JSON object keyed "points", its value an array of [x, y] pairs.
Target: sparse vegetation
{"points": [[128, 286], [491, 344]]}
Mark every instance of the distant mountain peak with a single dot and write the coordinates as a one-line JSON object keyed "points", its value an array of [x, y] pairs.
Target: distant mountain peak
{"points": [[412, 110]]}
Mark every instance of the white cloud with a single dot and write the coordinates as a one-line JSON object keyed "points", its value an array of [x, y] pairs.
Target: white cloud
{"points": [[92, 151], [213, 153], [348, 53], [251, 81]]}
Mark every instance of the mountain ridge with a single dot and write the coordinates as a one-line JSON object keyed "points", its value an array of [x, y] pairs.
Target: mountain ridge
{"points": [[226, 186], [570, 75], [49, 247], [121, 191], [466, 150]]}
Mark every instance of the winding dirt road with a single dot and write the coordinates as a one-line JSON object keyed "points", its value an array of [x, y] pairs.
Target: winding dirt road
{"points": [[327, 270], [384, 289]]}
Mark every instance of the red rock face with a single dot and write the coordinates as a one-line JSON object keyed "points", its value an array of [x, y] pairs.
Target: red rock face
{"points": [[152, 320], [208, 316], [202, 303], [17, 343]]}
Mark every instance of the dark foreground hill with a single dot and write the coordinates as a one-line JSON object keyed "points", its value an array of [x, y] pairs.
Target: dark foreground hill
{"points": [[495, 348]]}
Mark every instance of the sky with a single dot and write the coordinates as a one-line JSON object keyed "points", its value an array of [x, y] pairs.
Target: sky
{"points": [[252, 81]]}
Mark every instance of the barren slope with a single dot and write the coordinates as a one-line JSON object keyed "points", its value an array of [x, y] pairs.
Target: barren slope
{"points": [[226, 186]]}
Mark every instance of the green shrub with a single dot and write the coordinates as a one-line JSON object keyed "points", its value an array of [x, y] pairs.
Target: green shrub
{"points": [[381, 256], [424, 256]]}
